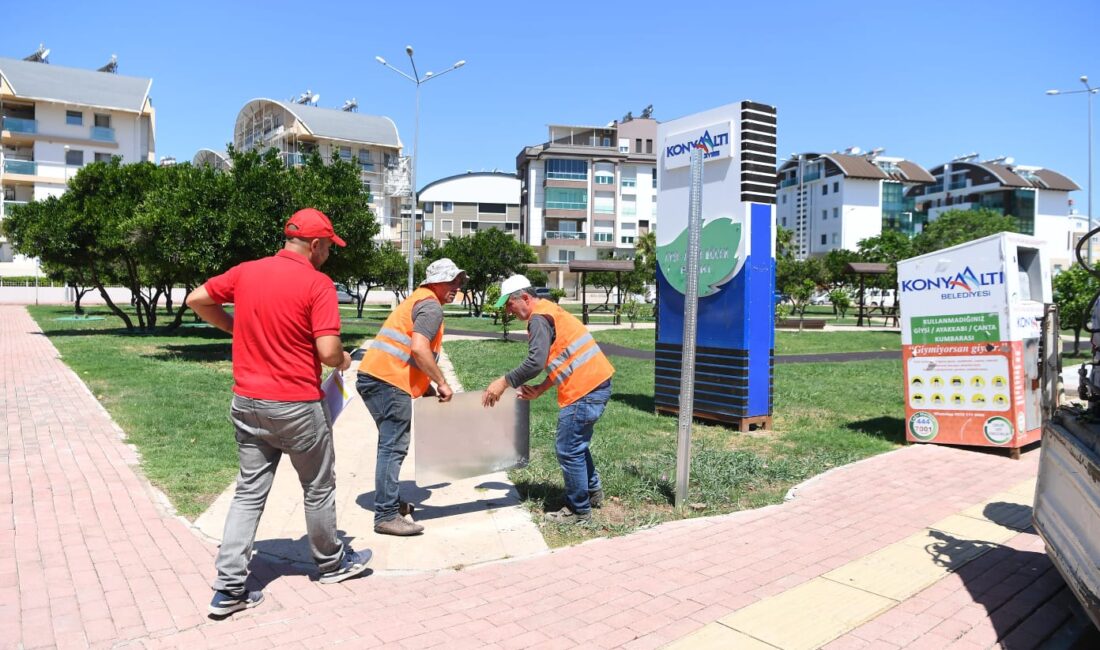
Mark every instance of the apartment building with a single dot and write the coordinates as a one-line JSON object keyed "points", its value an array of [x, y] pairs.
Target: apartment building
{"points": [[217, 159], [589, 188], [56, 119], [297, 130], [465, 203], [832, 201]]}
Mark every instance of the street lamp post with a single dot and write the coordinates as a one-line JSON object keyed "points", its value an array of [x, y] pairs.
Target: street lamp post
{"points": [[419, 81], [1089, 92]]}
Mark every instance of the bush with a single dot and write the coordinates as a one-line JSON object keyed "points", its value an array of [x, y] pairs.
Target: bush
{"points": [[557, 294]]}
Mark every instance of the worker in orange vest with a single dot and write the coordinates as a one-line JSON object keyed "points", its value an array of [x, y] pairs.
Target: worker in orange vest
{"points": [[400, 365], [560, 344]]}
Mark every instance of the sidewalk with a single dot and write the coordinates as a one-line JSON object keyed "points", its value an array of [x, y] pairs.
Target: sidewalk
{"points": [[88, 556]]}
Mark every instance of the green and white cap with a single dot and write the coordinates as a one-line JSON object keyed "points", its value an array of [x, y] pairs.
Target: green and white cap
{"points": [[510, 286]]}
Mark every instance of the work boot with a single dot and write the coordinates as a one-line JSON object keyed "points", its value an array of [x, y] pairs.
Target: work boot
{"points": [[596, 498], [405, 509], [567, 516], [398, 526]]}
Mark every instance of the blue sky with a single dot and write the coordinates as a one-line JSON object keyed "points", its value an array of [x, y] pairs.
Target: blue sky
{"points": [[926, 81]]}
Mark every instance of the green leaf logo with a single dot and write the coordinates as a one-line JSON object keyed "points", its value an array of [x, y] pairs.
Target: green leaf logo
{"points": [[719, 243]]}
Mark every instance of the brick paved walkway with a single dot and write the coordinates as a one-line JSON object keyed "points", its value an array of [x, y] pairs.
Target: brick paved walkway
{"points": [[89, 557]]}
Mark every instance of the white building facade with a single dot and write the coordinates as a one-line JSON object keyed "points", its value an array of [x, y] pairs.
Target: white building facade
{"points": [[588, 189], [833, 201], [54, 121], [1036, 197], [465, 203], [298, 130]]}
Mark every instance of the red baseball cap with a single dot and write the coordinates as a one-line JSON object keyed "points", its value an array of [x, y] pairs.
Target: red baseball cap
{"points": [[310, 223]]}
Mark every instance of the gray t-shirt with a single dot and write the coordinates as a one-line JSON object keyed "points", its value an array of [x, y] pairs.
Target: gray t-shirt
{"points": [[540, 336], [427, 318]]}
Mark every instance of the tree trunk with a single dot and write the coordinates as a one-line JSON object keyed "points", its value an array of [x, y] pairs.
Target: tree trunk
{"points": [[1076, 341], [107, 299]]}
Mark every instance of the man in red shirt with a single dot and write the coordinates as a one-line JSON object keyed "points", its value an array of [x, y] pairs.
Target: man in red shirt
{"points": [[285, 324]]}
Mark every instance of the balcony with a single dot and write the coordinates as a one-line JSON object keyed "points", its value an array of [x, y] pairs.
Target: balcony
{"points": [[566, 205], [28, 167], [295, 159], [103, 133], [563, 237], [20, 125], [957, 185], [787, 182]]}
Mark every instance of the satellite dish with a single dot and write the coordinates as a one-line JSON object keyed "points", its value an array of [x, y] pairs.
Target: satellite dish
{"points": [[316, 98]]}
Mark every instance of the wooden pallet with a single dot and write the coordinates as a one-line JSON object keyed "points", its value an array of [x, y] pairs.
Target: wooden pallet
{"points": [[744, 425]]}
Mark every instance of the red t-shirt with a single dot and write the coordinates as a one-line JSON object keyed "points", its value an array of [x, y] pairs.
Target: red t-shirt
{"points": [[281, 304]]}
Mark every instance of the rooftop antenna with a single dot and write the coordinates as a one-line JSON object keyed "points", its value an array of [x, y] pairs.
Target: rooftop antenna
{"points": [[111, 66], [1004, 160], [350, 106], [965, 158], [629, 116], [647, 112], [41, 55]]}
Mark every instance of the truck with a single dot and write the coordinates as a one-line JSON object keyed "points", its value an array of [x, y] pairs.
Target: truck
{"points": [[1066, 513]]}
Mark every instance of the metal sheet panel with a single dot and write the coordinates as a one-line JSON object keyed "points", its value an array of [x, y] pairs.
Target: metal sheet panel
{"points": [[461, 438]]}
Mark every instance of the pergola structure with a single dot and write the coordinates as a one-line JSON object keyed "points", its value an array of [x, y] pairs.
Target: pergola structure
{"points": [[863, 269], [584, 267]]}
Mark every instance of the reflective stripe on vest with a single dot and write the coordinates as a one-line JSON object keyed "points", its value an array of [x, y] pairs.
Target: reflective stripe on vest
{"points": [[389, 357], [575, 363]]}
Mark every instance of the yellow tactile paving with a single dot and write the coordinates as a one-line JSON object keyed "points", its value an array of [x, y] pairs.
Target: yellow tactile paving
{"points": [[848, 596], [809, 615], [718, 637]]}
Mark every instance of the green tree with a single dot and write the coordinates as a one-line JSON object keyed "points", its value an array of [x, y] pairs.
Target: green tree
{"points": [[44, 229], [960, 226], [886, 248], [645, 262], [841, 302], [488, 256], [1074, 290]]}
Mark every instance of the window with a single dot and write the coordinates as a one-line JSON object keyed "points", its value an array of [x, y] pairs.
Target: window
{"points": [[366, 187], [784, 200], [624, 146], [836, 213], [569, 170], [428, 225], [565, 256], [637, 145], [562, 198], [825, 189], [823, 240], [627, 239], [648, 146], [643, 223], [366, 163], [492, 208], [836, 186], [630, 182], [606, 237], [627, 226], [429, 208], [103, 120], [784, 222], [74, 157], [836, 238], [824, 214], [654, 178], [606, 142], [447, 225], [75, 118], [603, 178], [509, 227], [345, 153], [103, 157], [447, 207], [469, 225], [603, 204]]}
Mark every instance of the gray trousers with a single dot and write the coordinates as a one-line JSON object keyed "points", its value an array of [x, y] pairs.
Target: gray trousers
{"points": [[265, 430]]}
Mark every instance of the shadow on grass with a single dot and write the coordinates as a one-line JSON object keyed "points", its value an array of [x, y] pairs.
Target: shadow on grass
{"points": [[634, 401], [884, 427], [550, 496], [200, 352]]}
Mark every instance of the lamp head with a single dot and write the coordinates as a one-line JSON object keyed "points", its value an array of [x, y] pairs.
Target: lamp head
{"points": [[380, 60], [409, 50], [1085, 79], [460, 63], [1054, 92], [428, 74]]}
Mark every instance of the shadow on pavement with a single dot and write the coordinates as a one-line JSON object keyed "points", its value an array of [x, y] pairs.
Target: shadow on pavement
{"points": [[884, 427], [1026, 600], [417, 495]]}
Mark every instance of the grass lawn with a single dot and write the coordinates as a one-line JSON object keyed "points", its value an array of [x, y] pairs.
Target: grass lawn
{"points": [[807, 342], [169, 392], [819, 424]]}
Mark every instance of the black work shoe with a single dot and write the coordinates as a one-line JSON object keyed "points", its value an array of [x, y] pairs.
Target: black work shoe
{"points": [[596, 498], [405, 509], [567, 516], [398, 526]]}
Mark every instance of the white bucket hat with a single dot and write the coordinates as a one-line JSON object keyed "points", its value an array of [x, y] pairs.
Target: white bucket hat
{"points": [[442, 270]]}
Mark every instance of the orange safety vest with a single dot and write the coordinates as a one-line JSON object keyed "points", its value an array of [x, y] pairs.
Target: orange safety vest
{"points": [[389, 357], [575, 363]]}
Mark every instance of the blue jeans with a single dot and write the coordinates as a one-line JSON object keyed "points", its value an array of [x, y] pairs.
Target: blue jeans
{"points": [[575, 426], [391, 409]]}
